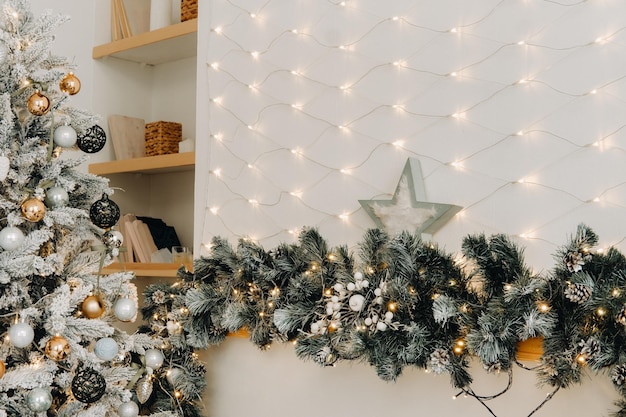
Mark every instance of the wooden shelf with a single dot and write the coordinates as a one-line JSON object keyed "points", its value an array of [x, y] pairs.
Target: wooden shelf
{"points": [[144, 269], [147, 165], [166, 44]]}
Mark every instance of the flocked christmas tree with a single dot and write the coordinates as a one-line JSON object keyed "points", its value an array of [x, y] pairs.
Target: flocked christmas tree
{"points": [[60, 350]]}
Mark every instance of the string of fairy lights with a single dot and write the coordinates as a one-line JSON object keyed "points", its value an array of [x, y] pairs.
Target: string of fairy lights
{"points": [[315, 106]]}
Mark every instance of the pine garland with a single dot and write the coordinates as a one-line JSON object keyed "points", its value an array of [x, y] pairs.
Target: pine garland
{"points": [[405, 302]]}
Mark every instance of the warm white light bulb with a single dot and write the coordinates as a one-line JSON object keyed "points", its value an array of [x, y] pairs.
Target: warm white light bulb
{"points": [[214, 210], [215, 66], [255, 54]]}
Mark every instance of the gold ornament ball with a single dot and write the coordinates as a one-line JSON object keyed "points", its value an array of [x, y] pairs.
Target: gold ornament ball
{"points": [[92, 307], [3, 369], [57, 348], [38, 104], [33, 209], [70, 84]]}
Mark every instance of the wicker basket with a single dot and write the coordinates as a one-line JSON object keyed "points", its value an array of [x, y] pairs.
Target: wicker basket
{"points": [[188, 10], [163, 137]]}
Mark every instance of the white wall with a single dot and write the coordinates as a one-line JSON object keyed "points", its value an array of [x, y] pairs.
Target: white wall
{"points": [[559, 117], [519, 89]]}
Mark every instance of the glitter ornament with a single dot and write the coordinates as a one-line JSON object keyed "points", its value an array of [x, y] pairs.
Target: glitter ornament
{"points": [[11, 238], [57, 197], [70, 84], [125, 309], [144, 389], [33, 210], [104, 213], [93, 140], [106, 349], [21, 335], [88, 386], [112, 239], [92, 307], [38, 104], [57, 348], [39, 400], [65, 136]]}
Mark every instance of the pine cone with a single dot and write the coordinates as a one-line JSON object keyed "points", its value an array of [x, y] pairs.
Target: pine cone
{"points": [[589, 347], [575, 260], [618, 375], [439, 361], [578, 293]]}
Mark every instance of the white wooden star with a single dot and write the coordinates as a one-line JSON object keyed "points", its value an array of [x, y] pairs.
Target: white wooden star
{"points": [[406, 210]]}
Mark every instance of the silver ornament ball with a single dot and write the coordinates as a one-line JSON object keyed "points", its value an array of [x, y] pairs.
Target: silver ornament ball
{"points": [[57, 197], [125, 309], [129, 409], [106, 349], [11, 238], [21, 335], [154, 358], [39, 400], [65, 136]]}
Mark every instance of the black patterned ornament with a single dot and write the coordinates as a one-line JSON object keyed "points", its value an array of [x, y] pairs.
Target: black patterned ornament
{"points": [[92, 140], [88, 386], [104, 213]]}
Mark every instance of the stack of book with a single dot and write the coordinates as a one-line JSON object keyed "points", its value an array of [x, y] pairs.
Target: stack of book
{"points": [[146, 239]]}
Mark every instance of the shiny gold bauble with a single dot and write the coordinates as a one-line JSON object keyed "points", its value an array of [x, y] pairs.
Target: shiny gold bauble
{"points": [[70, 84], [92, 307], [57, 348], [33, 209], [38, 104], [3, 369]]}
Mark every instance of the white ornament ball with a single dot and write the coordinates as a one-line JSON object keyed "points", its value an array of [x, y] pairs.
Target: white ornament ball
{"points": [[381, 325], [338, 287], [388, 316], [57, 197], [334, 299], [336, 306], [329, 311], [358, 276], [11, 238], [351, 286], [315, 328], [129, 409], [173, 327], [379, 300], [125, 309], [357, 301], [154, 358], [21, 335], [106, 349], [378, 292], [65, 136], [365, 283], [39, 400], [368, 321], [374, 318]]}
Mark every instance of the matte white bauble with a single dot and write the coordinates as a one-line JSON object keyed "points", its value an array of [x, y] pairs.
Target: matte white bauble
{"points": [[356, 302], [154, 358], [57, 197], [11, 238], [381, 325], [358, 276], [351, 286], [39, 400], [65, 136], [21, 335], [106, 349], [125, 309], [129, 409]]}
